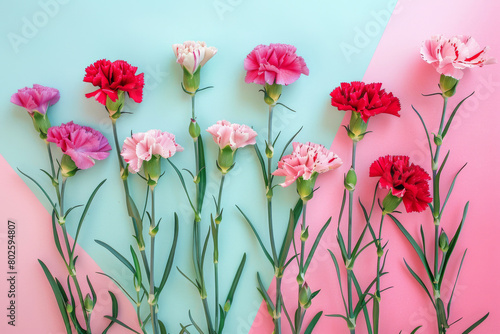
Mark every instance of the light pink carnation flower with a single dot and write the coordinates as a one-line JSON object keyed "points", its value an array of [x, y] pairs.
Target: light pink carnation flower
{"points": [[451, 56], [274, 64], [144, 145], [193, 55], [232, 135], [38, 98], [305, 160], [81, 143]]}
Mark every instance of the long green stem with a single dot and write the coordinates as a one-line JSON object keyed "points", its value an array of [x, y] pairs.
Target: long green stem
{"points": [[216, 252], [301, 311], [349, 238], [53, 171], [152, 298], [380, 253]]}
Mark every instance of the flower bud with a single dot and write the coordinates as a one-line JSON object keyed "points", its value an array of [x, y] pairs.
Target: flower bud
{"points": [[225, 160], [448, 85], [152, 169], [114, 107], [41, 123], [88, 303], [305, 296], [357, 127], [300, 278], [305, 188], [194, 129], [153, 231], [444, 243], [390, 203], [227, 306], [191, 82], [68, 167], [272, 93], [218, 219], [438, 140], [69, 308], [304, 234], [269, 151], [350, 180]]}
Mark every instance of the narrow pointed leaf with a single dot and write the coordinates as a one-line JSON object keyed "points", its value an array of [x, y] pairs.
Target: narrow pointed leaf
{"points": [[316, 243], [450, 190], [257, 236], [202, 175], [43, 191], [117, 255], [113, 319], [292, 223], [236, 279], [262, 164], [263, 291], [448, 124], [194, 323], [419, 280], [426, 132], [415, 330], [183, 183], [170, 261], [477, 323], [114, 311], [455, 285], [365, 309], [94, 295], [340, 281], [119, 285], [313, 323]]}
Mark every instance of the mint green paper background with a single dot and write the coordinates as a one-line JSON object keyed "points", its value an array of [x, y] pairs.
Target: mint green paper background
{"points": [[51, 42]]}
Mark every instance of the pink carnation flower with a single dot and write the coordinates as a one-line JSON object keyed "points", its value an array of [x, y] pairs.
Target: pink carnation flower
{"points": [[232, 135], [274, 63], [143, 145], [39, 98], [451, 56], [193, 55], [81, 143], [305, 160]]}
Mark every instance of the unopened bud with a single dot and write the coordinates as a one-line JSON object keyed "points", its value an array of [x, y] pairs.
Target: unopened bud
{"points": [[305, 296], [444, 243], [88, 303], [194, 129], [304, 234], [350, 180]]}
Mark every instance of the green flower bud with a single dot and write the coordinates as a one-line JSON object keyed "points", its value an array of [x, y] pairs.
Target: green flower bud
{"points": [[69, 308], [438, 140], [444, 243], [152, 169], [227, 306], [390, 203], [68, 167], [88, 303], [225, 161], [305, 188], [350, 180], [357, 127], [194, 129], [153, 231], [114, 107], [380, 251], [272, 93], [41, 123], [218, 219], [191, 82], [269, 151], [448, 85], [300, 278], [304, 234], [305, 295]]}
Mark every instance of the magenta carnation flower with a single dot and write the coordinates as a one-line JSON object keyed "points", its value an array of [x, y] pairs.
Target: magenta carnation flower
{"points": [[305, 162], [39, 98], [450, 56], [81, 143], [232, 135], [274, 64], [143, 146]]}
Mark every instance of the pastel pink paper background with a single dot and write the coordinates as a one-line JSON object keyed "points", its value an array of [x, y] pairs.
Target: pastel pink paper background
{"points": [[37, 310], [473, 139]]}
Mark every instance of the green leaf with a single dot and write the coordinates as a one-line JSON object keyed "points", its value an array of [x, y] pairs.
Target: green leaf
{"points": [[170, 261], [202, 175], [316, 243], [423, 239], [477, 323], [289, 142], [236, 279], [415, 246], [454, 285], [84, 213], [43, 191], [257, 236], [119, 285], [340, 281], [114, 311], [419, 280], [117, 255], [196, 285], [184, 329], [426, 132], [58, 296], [365, 309], [94, 296], [163, 330], [203, 253], [313, 323], [113, 319], [448, 124], [342, 206], [441, 314], [71, 209], [450, 190], [222, 319], [137, 266], [262, 164], [57, 241], [436, 195], [194, 322], [181, 178], [133, 212], [263, 292], [453, 243], [340, 241], [292, 223]]}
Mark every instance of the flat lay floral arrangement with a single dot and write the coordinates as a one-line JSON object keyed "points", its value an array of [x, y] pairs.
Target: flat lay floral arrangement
{"points": [[283, 162]]}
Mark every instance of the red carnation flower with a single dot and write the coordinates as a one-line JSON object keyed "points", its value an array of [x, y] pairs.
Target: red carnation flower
{"points": [[407, 181], [112, 77], [367, 99]]}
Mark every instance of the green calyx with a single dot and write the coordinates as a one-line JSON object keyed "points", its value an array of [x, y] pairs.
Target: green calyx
{"points": [[305, 188], [350, 180], [444, 243], [272, 93], [225, 161], [357, 127], [194, 129], [390, 203], [152, 170], [448, 85], [88, 303], [115, 107], [68, 167], [191, 81], [41, 123], [305, 296]]}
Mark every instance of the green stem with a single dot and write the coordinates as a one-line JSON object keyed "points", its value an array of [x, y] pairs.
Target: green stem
{"points": [[301, 311], [56, 185], [379, 254], [277, 320], [152, 298], [349, 237], [208, 317], [216, 253], [138, 310], [216, 274]]}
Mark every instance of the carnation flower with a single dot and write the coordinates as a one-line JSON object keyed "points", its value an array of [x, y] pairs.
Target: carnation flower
{"points": [[274, 64], [39, 98], [148, 146], [113, 79], [366, 99], [230, 137], [304, 164], [450, 56], [80, 143], [405, 181]]}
